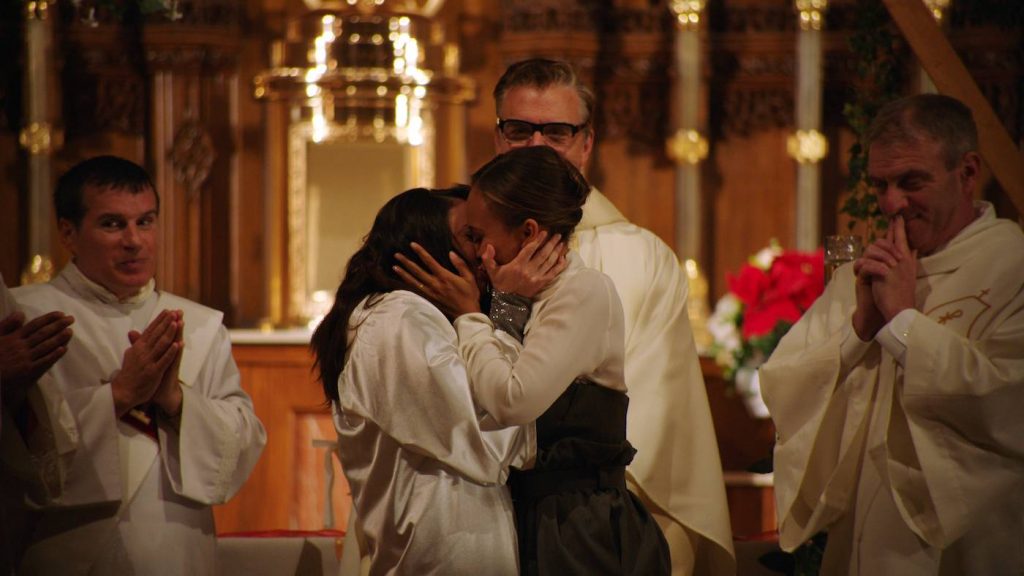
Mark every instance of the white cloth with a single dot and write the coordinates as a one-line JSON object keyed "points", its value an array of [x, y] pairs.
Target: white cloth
{"points": [[677, 465], [28, 466], [426, 466], [131, 504], [7, 307], [916, 469], [7, 304], [575, 330]]}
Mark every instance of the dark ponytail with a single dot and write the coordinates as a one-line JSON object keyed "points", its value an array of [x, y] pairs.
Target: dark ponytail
{"points": [[418, 215]]}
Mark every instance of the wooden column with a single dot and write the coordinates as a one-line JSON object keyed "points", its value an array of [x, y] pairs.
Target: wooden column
{"points": [[808, 146], [39, 138], [687, 147]]}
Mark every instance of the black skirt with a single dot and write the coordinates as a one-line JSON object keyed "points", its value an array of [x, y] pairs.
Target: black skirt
{"points": [[574, 514]]}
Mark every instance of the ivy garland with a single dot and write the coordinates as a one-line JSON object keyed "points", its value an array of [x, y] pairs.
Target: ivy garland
{"points": [[880, 77]]}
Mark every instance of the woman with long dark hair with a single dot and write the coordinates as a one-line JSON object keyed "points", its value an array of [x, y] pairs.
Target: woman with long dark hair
{"points": [[574, 514], [427, 477]]}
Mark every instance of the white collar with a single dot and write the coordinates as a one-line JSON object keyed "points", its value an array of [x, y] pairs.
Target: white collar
{"points": [[87, 287]]}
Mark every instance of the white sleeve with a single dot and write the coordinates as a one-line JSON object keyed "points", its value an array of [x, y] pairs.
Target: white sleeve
{"points": [[569, 336], [219, 438], [893, 336], [409, 379]]}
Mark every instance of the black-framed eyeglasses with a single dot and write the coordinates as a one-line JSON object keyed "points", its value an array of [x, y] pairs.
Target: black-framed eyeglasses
{"points": [[520, 131]]}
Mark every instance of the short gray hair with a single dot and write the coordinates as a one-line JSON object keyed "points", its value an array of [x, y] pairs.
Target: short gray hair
{"points": [[543, 73], [937, 117]]}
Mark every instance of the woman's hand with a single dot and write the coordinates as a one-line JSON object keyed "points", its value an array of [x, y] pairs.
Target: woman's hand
{"points": [[453, 294], [536, 265]]}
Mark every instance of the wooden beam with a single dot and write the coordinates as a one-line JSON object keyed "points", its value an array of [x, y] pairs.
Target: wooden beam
{"points": [[951, 77]]}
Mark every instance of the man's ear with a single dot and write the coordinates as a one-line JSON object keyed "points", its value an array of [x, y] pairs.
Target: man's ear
{"points": [[67, 232], [588, 149], [970, 170]]}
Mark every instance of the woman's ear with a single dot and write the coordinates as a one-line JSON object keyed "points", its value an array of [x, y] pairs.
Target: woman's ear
{"points": [[528, 229]]}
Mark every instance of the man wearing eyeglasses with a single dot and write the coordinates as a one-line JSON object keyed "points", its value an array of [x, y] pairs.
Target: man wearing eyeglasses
{"points": [[677, 471]]}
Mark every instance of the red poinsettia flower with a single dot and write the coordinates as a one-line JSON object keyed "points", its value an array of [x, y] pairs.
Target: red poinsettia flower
{"points": [[760, 319], [749, 284], [782, 294], [798, 276], [773, 291]]}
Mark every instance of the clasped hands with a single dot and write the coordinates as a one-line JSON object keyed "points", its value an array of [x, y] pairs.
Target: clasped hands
{"points": [[539, 261], [29, 349], [886, 280], [149, 368]]}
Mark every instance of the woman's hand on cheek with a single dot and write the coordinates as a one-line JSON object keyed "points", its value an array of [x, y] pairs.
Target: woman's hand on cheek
{"points": [[453, 294], [537, 264]]}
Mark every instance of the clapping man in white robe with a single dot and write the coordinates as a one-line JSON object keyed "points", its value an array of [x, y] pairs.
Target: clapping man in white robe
{"points": [[897, 396], [161, 429]]}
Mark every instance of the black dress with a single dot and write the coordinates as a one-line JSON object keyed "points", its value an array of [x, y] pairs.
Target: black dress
{"points": [[574, 515]]}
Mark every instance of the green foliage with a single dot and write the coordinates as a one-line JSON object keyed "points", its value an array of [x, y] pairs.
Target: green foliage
{"points": [[757, 349], [879, 77]]}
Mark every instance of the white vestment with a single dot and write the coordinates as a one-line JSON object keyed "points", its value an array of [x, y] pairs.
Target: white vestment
{"points": [[677, 466], [912, 468], [131, 504], [28, 465], [426, 467]]}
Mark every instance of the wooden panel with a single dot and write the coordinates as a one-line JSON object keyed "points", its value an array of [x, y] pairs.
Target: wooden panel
{"points": [[639, 186], [742, 442], [309, 490], [751, 510], [250, 255], [285, 490], [742, 439], [753, 203]]}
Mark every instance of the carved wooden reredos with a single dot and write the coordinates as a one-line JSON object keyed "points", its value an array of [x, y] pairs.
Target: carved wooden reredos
{"points": [[172, 90]]}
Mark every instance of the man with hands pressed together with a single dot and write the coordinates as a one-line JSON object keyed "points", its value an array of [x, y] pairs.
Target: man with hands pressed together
{"points": [[897, 396], [160, 429]]}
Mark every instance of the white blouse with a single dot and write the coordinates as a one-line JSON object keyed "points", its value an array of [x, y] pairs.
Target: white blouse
{"points": [[426, 466], [576, 329]]}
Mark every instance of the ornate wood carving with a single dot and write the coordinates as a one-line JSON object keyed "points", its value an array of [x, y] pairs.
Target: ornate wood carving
{"points": [[94, 13], [752, 80], [751, 17], [103, 85], [748, 110], [192, 155], [623, 52], [997, 67]]}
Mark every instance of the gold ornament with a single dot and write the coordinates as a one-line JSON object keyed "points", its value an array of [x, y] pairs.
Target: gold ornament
{"points": [[807, 146], [687, 146]]}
